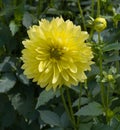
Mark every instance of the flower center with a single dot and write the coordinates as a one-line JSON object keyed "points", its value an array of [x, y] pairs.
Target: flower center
{"points": [[56, 53]]}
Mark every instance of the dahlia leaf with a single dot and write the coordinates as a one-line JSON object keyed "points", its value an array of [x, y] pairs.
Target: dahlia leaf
{"points": [[23, 102], [13, 27], [92, 109], [44, 97], [112, 58], [7, 114], [7, 82], [85, 126], [65, 121], [83, 101], [109, 47], [50, 117], [27, 19], [102, 127]]}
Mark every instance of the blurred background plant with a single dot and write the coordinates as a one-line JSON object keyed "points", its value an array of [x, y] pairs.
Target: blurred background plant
{"points": [[96, 103]]}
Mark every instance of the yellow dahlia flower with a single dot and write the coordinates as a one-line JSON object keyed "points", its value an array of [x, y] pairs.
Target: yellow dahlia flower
{"points": [[56, 54]]}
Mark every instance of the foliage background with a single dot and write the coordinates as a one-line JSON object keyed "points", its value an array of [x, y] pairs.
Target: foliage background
{"points": [[23, 104]]}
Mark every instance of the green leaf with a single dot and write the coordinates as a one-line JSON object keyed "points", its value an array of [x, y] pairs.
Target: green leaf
{"points": [[19, 11], [23, 102], [7, 82], [115, 123], [8, 64], [50, 117], [111, 59], [102, 127], [7, 11], [85, 126], [113, 46], [5, 66], [44, 97], [82, 102], [76, 88], [5, 35], [27, 19], [92, 109], [53, 11], [7, 113], [23, 79], [117, 17], [64, 120], [94, 71], [13, 27]]}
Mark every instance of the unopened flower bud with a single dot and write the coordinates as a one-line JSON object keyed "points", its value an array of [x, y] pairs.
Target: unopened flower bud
{"points": [[110, 77], [100, 24]]}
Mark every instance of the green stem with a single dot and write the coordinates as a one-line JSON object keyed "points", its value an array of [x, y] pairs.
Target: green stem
{"points": [[101, 71], [70, 106], [92, 12], [91, 34], [107, 103], [108, 91], [110, 85], [66, 107], [15, 3], [104, 100], [79, 104], [39, 8], [81, 12], [1, 4], [98, 8], [117, 62]]}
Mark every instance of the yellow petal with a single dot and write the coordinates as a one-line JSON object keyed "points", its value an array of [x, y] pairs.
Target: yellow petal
{"points": [[73, 68], [41, 66], [65, 76], [55, 74]]}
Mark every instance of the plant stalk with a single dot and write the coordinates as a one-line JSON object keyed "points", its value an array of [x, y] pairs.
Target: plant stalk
{"points": [[81, 12], [79, 104], [67, 109], [98, 8]]}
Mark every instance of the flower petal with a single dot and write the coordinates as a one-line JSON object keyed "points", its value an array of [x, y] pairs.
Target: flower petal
{"points": [[55, 74]]}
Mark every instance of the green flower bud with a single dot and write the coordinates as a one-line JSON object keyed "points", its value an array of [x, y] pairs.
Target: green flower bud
{"points": [[100, 24], [110, 113], [110, 77]]}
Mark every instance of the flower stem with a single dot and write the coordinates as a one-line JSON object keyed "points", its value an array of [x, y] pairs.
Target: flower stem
{"points": [[39, 8], [92, 12], [67, 109], [14, 3], [70, 106], [79, 104], [98, 8], [81, 12], [105, 105], [117, 62], [101, 71]]}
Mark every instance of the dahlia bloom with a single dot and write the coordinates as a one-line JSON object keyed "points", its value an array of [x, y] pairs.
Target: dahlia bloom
{"points": [[56, 54]]}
